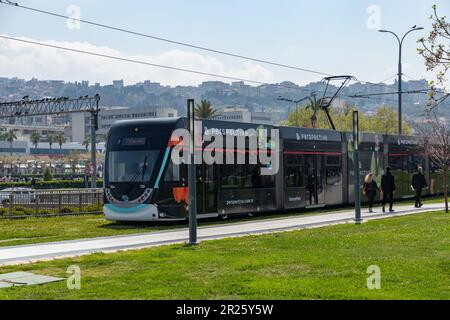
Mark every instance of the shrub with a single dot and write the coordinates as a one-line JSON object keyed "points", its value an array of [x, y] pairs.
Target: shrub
{"points": [[54, 184], [66, 210], [47, 175]]}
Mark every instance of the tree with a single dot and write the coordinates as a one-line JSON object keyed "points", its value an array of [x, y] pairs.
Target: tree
{"points": [[315, 105], [61, 139], [35, 137], [47, 175], [384, 121], [436, 48], [204, 110], [435, 139], [2, 133], [10, 136], [51, 139], [86, 143]]}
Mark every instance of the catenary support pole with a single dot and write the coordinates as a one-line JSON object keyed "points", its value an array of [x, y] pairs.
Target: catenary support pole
{"points": [[356, 167], [93, 150], [191, 176]]}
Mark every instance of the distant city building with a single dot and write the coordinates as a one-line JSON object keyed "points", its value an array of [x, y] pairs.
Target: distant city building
{"points": [[235, 114], [238, 114], [118, 84], [81, 122]]}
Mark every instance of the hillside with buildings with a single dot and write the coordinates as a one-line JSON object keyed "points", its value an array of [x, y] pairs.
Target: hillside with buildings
{"points": [[236, 101]]}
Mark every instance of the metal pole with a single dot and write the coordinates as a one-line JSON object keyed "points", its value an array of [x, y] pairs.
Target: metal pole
{"points": [[400, 89], [191, 177], [358, 219], [93, 150]]}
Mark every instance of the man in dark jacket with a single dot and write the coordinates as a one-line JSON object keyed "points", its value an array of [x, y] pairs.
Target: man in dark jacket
{"points": [[418, 183], [388, 188]]}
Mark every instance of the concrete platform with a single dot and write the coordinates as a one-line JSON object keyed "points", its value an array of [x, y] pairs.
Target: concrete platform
{"points": [[62, 249]]}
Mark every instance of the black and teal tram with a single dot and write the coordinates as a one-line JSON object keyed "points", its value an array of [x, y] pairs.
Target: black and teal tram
{"points": [[141, 183]]}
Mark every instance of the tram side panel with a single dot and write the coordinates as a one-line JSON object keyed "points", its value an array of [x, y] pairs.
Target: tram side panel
{"points": [[312, 161], [371, 149], [240, 187], [404, 158]]}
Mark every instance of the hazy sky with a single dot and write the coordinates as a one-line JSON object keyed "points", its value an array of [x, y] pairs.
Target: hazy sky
{"points": [[337, 37]]}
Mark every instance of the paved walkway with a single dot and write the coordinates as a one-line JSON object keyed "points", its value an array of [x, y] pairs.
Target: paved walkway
{"points": [[45, 251]]}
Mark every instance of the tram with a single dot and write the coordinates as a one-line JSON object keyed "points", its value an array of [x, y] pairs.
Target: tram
{"points": [[142, 183]]}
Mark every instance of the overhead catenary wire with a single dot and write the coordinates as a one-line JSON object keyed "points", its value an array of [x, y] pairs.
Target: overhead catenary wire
{"points": [[102, 55], [155, 65], [180, 43]]}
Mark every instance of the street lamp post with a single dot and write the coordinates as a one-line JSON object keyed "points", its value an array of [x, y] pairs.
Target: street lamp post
{"points": [[400, 44]]}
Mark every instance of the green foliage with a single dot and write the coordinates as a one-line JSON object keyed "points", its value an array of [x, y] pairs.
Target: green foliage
{"points": [[54, 184], [9, 136], [384, 121], [87, 142], [35, 137], [60, 138], [47, 175], [204, 110], [30, 211], [51, 139]]}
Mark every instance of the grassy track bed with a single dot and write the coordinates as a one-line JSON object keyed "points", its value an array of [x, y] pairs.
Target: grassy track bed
{"points": [[412, 252], [38, 230]]}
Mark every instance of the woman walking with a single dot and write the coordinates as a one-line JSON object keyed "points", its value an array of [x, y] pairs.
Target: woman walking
{"points": [[370, 189]]}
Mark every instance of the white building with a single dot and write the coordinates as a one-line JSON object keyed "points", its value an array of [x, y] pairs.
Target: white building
{"points": [[237, 114], [81, 123]]}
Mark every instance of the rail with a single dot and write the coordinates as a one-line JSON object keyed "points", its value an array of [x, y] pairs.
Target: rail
{"points": [[24, 202]]}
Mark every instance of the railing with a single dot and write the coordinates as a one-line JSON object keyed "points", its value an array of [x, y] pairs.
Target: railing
{"points": [[56, 202]]}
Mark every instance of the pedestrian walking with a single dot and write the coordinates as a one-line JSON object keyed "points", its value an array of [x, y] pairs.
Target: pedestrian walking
{"points": [[370, 189], [388, 188], [418, 183]]}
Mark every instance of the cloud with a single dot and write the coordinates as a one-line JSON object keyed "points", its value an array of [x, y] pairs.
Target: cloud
{"points": [[25, 60]]}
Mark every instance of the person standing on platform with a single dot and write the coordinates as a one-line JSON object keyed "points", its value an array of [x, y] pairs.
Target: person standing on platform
{"points": [[370, 189], [418, 183], [388, 188]]}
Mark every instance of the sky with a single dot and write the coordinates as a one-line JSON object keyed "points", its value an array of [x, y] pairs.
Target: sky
{"points": [[330, 36]]}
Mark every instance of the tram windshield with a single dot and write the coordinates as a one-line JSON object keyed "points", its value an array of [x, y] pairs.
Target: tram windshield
{"points": [[126, 165]]}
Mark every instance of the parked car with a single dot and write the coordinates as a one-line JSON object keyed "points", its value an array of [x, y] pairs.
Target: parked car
{"points": [[20, 195]]}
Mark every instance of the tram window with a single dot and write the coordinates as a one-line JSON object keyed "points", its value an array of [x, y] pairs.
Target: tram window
{"points": [[244, 176], [268, 181], [227, 176], [397, 163], [294, 159], [415, 162], [333, 175], [333, 160], [294, 177], [172, 173]]}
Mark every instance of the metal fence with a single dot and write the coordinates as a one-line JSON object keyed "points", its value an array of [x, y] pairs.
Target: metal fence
{"points": [[22, 202]]}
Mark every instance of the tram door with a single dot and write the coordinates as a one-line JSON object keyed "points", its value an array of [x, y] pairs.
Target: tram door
{"points": [[315, 184], [206, 190]]}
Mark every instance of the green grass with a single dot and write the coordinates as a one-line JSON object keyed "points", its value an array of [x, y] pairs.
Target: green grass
{"points": [[412, 252], [38, 230]]}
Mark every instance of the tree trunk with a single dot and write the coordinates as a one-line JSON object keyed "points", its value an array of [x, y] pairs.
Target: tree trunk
{"points": [[445, 191]]}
